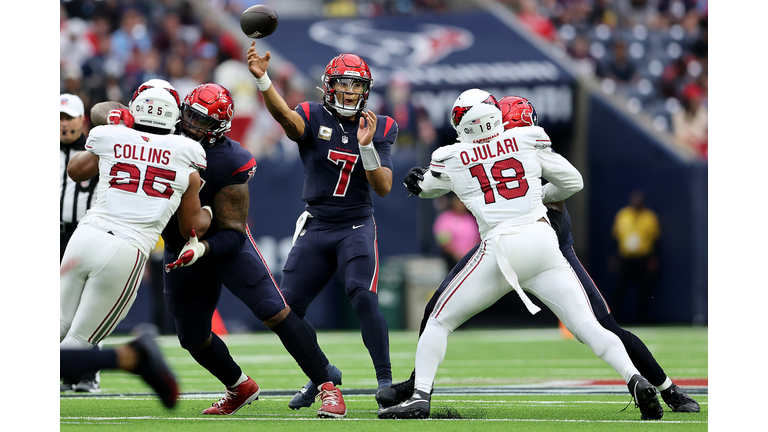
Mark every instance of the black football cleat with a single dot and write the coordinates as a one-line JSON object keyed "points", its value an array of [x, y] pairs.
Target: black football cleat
{"points": [[396, 393], [678, 400], [645, 398], [417, 407]]}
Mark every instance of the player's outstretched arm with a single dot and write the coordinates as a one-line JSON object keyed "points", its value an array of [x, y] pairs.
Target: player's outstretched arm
{"points": [[83, 166], [191, 215], [100, 112], [290, 120]]}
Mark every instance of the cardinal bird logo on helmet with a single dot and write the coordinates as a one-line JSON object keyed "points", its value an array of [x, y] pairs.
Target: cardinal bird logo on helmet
{"points": [[458, 114], [491, 101]]}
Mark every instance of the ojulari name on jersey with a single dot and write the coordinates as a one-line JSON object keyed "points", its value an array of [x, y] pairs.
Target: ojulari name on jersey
{"points": [[137, 153], [485, 151]]}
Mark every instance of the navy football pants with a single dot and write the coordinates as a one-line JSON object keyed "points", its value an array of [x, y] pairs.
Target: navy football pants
{"points": [[192, 293], [350, 247]]}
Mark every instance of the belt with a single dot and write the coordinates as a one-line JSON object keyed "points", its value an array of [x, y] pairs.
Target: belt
{"points": [[67, 226]]}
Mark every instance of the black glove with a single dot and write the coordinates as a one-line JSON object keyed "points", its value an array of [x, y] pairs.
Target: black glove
{"points": [[411, 180]]}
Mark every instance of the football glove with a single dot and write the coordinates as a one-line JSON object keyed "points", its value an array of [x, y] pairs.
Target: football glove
{"points": [[411, 180], [116, 115], [189, 253]]}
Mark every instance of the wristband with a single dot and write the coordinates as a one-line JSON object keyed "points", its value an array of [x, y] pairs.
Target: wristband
{"points": [[208, 209], [370, 157], [264, 82]]}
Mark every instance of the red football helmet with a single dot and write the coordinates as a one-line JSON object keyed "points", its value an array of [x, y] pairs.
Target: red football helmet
{"points": [[518, 111], [206, 114], [352, 76]]}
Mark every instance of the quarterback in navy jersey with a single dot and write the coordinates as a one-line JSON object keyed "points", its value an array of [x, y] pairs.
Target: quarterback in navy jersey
{"points": [[346, 151], [227, 255], [518, 111]]}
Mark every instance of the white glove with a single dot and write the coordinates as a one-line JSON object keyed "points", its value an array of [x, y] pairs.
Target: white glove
{"points": [[189, 253]]}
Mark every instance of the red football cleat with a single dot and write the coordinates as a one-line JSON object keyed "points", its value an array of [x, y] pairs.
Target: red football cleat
{"points": [[235, 399], [333, 402]]}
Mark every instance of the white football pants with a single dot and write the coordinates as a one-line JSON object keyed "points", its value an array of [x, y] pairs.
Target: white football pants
{"points": [[100, 277], [541, 270]]}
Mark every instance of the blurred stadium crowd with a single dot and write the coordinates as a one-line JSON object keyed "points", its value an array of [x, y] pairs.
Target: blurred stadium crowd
{"points": [[653, 52]]}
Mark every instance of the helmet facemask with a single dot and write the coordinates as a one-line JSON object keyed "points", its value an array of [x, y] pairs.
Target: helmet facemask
{"points": [[347, 74], [206, 114], [201, 127], [339, 88]]}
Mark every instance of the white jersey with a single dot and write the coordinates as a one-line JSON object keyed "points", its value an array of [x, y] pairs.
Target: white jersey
{"points": [[500, 181], [142, 177]]}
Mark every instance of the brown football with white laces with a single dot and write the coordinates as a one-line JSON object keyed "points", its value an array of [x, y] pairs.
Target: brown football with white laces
{"points": [[258, 21]]}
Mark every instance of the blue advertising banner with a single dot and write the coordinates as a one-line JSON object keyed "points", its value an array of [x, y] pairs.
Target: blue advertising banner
{"points": [[439, 55]]}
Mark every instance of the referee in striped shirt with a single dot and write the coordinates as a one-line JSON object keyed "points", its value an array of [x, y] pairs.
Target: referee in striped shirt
{"points": [[76, 197]]}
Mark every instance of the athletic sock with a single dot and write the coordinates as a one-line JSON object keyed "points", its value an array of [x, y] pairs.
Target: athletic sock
{"points": [[73, 365], [216, 359], [373, 329], [430, 353], [243, 378], [639, 353], [667, 384], [383, 384]]}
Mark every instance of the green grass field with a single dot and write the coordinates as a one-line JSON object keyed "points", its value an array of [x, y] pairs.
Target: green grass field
{"points": [[490, 380]]}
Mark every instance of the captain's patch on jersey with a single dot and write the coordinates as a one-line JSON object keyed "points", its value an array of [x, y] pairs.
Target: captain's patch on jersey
{"points": [[325, 133]]}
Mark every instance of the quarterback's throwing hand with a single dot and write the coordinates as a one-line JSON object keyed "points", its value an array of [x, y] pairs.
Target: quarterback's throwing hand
{"points": [[116, 115], [256, 63], [189, 253]]}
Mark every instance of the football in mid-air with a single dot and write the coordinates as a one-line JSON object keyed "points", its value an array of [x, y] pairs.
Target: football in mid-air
{"points": [[258, 21]]}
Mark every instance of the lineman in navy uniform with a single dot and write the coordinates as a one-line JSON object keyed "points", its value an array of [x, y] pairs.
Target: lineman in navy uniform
{"points": [[227, 255], [519, 111], [344, 149]]}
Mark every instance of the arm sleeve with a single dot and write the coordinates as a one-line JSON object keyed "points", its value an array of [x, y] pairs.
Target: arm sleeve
{"points": [[564, 179], [435, 184], [94, 139]]}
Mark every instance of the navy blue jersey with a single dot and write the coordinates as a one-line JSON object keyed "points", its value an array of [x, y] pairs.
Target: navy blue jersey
{"points": [[228, 163], [335, 185]]}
